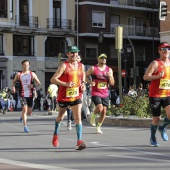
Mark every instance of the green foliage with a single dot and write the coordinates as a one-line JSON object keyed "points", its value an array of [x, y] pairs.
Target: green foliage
{"points": [[136, 106]]}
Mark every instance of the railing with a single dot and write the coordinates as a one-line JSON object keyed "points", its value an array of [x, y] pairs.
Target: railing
{"points": [[58, 23], [137, 30], [137, 3], [26, 21]]}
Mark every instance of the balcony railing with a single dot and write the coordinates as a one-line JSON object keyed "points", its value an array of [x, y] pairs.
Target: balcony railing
{"points": [[58, 23], [137, 3], [26, 21], [137, 30]]}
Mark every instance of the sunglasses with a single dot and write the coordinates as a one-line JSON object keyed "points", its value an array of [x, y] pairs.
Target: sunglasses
{"points": [[165, 49], [102, 57]]}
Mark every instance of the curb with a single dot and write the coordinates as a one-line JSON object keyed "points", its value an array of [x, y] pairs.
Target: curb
{"points": [[126, 122]]}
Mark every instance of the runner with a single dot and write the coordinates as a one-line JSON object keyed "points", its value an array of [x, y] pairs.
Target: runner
{"points": [[70, 77], [26, 79]]}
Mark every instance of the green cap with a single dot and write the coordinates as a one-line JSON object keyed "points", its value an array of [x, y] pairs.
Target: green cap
{"points": [[73, 49]]}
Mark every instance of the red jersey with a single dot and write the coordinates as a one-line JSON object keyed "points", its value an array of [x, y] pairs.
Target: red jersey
{"points": [[160, 87], [101, 82], [67, 94]]}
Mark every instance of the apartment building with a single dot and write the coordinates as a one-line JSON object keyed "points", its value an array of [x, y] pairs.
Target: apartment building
{"points": [[164, 25], [140, 22], [37, 30]]}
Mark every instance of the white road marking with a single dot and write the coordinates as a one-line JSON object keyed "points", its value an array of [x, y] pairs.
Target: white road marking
{"points": [[31, 165]]}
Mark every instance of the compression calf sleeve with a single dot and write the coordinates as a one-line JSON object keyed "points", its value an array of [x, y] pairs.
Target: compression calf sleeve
{"points": [[57, 125], [79, 131], [165, 123], [153, 129]]}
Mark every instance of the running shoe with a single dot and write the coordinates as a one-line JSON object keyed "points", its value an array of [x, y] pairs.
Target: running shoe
{"points": [[80, 145], [98, 130], [163, 133], [69, 126], [26, 130], [21, 120], [55, 141], [153, 142], [93, 119]]}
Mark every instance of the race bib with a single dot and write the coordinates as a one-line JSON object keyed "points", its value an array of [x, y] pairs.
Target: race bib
{"points": [[72, 92], [164, 84], [102, 85]]}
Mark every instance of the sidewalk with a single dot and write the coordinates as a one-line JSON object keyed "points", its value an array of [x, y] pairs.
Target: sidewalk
{"points": [[127, 122], [109, 120]]}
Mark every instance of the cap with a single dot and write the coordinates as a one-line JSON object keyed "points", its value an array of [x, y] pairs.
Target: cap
{"points": [[163, 45], [73, 49], [102, 55]]}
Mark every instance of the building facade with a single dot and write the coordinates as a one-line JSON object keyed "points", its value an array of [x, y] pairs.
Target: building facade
{"points": [[164, 25], [140, 22], [36, 30]]}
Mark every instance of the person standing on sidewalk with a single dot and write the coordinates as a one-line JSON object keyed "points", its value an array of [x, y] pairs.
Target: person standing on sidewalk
{"points": [[158, 73], [70, 77], [26, 79], [102, 77], [52, 95]]}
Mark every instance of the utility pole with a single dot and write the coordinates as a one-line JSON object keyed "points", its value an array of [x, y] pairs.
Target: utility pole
{"points": [[118, 46]]}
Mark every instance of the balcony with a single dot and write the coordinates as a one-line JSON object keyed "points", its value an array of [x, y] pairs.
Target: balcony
{"points": [[26, 21], [138, 31], [58, 23], [136, 3]]}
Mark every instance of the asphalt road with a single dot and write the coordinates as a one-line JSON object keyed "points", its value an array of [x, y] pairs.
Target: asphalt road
{"points": [[119, 148]]}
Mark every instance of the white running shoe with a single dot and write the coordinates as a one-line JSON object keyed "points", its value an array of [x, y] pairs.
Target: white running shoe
{"points": [[69, 126], [98, 130], [93, 119]]}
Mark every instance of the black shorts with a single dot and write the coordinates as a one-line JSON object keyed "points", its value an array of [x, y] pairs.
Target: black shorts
{"points": [[26, 101], [156, 103], [66, 104], [99, 100]]}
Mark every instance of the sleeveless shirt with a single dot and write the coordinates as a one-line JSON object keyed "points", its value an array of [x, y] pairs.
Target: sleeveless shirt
{"points": [[25, 80], [67, 94], [101, 82], [160, 87]]}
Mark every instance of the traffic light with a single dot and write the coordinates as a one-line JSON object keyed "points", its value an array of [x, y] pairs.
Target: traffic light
{"points": [[131, 73], [162, 11]]}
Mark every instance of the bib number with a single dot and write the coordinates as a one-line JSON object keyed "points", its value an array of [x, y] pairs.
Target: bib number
{"points": [[72, 92], [102, 85], [164, 84]]}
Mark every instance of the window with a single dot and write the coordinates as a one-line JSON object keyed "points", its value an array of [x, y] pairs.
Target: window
{"points": [[140, 53], [113, 52], [3, 8], [98, 19], [91, 51], [115, 22], [23, 45], [1, 44], [53, 46], [57, 14], [11, 9]]}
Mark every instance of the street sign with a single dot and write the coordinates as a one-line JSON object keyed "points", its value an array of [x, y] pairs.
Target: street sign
{"points": [[124, 73]]}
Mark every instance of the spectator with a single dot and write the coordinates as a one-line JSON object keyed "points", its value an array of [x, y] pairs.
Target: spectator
{"points": [[140, 90], [39, 95], [52, 95], [15, 97]]}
